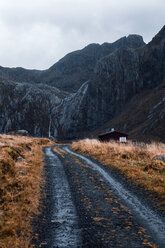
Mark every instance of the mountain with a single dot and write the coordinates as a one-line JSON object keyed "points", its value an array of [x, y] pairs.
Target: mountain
{"points": [[118, 77], [28, 106], [74, 69], [77, 67], [20, 75], [143, 117], [99, 86]]}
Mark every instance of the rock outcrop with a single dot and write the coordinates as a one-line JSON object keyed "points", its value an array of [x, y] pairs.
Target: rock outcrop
{"points": [[27, 106], [143, 117], [118, 77], [101, 80], [74, 69], [19, 132]]}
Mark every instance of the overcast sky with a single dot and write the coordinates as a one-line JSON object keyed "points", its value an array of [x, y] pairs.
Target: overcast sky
{"points": [[37, 33]]}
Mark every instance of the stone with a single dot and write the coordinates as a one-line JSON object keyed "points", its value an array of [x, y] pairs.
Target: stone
{"points": [[159, 157], [21, 172], [43, 243], [19, 132]]}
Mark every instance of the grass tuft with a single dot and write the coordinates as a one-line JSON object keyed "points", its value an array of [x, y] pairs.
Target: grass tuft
{"points": [[134, 160], [21, 177]]}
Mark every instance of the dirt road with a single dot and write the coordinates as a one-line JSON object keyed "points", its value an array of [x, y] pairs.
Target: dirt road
{"points": [[88, 205]]}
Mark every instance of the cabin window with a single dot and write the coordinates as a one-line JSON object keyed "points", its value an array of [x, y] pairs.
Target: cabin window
{"points": [[122, 139]]}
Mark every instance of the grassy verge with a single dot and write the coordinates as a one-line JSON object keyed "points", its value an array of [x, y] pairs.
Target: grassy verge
{"points": [[21, 168], [134, 161]]}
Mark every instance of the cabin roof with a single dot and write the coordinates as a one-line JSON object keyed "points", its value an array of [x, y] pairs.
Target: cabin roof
{"points": [[113, 132]]}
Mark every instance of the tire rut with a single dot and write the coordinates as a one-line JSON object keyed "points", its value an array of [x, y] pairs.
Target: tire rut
{"points": [[102, 217], [107, 222]]}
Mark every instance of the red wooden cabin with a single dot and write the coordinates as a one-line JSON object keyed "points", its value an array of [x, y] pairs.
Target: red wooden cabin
{"points": [[113, 135]]}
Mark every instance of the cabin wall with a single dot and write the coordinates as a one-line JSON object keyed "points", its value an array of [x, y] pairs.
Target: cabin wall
{"points": [[113, 136]]}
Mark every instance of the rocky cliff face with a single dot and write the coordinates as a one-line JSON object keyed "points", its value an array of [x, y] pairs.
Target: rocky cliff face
{"points": [[78, 67], [25, 106], [143, 117], [118, 77], [107, 75], [74, 69], [20, 75]]}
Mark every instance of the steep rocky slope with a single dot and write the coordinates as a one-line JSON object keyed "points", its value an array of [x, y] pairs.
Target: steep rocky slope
{"points": [[143, 117], [27, 106], [77, 67], [108, 75], [21, 75], [74, 69], [118, 77]]}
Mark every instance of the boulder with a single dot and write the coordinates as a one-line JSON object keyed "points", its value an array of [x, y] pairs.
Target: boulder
{"points": [[159, 157], [19, 132]]}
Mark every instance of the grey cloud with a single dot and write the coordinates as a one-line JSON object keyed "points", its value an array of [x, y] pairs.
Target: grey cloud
{"points": [[37, 33]]}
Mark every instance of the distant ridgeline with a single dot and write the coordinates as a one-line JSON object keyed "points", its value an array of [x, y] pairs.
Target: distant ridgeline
{"points": [[120, 84]]}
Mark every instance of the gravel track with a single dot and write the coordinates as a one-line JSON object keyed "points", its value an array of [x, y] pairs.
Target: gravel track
{"points": [[87, 207]]}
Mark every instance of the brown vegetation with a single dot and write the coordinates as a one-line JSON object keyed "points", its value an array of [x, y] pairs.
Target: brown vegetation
{"points": [[135, 161], [21, 168]]}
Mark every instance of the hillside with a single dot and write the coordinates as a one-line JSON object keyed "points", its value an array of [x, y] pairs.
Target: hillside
{"points": [[78, 67], [21, 180], [138, 163], [143, 118], [101, 80], [28, 106], [74, 69], [118, 77]]}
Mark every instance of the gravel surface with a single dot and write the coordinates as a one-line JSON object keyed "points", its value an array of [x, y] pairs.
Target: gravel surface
{"points": [[86, 206]]}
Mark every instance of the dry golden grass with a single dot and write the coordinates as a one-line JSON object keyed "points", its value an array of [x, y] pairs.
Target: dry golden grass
{"points": [[135, 161], [21, 177]]}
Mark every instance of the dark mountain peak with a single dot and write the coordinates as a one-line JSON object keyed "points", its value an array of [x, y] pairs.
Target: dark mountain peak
{"points": [[70, 72], [158, 38], [77, 67], [135, 40], [135, 36], [102, 79], [162, 32], [132, 41], [91, 46]]}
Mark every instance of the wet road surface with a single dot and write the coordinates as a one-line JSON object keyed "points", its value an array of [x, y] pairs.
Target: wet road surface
{"points": [[87, 207]]}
